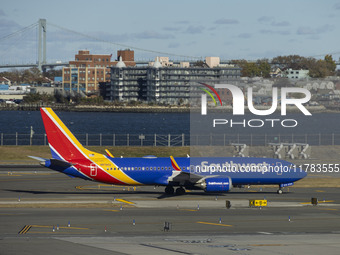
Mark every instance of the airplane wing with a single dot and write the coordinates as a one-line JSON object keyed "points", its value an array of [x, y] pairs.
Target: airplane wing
{"points": [[180, 177], [184, 177]]}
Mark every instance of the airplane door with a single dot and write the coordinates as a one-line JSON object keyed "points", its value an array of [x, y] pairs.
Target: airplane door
{"points": [[93, 169]]}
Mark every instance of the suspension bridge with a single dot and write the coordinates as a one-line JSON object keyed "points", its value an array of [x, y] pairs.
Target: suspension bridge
{"points": [[27, 47], [33, 39]]}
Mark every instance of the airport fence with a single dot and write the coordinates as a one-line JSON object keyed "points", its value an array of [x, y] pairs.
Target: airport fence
{"points": [[176, 139]]}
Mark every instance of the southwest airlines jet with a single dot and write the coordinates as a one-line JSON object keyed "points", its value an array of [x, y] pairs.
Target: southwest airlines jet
{"points": [[211, 174]]}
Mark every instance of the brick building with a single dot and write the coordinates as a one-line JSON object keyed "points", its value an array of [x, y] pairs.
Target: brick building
{"points": [[88, 70]]}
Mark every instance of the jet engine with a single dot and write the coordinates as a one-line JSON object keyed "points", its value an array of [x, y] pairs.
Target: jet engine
{"points": [[217, 184]]}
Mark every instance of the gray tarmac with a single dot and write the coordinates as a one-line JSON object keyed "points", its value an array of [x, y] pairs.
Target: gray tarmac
{"points": [[46, 212]]}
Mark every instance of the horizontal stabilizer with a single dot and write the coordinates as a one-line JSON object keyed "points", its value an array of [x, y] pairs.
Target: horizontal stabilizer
{"points": [[38, 158], [60, 163], [52, 162]]}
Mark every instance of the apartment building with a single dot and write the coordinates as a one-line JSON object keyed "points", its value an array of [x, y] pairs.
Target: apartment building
{"points": [[163, 83]]}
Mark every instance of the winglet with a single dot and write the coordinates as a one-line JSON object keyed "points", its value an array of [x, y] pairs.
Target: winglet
{"points": [[109, 153], [174, 164]]}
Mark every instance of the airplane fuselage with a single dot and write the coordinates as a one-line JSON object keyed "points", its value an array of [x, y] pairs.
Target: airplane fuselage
{"points": [[157, 171]]}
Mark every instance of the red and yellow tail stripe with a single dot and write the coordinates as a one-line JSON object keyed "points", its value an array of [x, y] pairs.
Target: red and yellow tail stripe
{"points": [[65, 145], [109, 153], [174, 164]]}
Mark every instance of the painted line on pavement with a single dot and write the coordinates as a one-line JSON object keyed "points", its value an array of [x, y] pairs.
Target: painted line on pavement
{"points": [[215, 224]]}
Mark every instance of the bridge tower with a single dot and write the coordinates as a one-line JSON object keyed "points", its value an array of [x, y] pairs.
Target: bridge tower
{"points": [[42, 44]]}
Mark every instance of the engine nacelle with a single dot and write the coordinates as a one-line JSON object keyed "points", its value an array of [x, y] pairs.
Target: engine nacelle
{"points": [[217, 184]]}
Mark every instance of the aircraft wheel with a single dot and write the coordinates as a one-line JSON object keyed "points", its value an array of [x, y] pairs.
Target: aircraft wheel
{"points": [[169, 190], [279, 191], [180, 191]]}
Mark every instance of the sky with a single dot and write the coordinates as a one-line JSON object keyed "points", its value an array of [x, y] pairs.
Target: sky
{"points": [[228, 29]]}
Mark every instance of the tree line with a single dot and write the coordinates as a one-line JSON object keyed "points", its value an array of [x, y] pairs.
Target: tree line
{"points": [[318, 68], [30, 75]]}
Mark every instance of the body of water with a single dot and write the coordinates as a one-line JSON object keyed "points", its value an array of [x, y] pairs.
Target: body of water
{"points": [[98, 122], [163, 123]]}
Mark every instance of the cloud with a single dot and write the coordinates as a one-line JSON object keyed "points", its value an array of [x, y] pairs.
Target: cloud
{"points": [[112, 37], [171, 28], [272, 32], [194, 29], [325, 28], [226, 22], [305, 30], [271, 21], [337, 6], [56, 35], [8, 27], [245, 36], [121, 40], [151, 35], [183, 22], [173, 45], [314, 37], [266, 19], [2, 13], [280, 24], [191, 43], [212, 28]]}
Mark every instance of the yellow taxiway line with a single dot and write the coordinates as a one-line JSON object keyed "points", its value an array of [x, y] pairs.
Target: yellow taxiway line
{"points": [[124, 201], [214, 224], [323, 201]]}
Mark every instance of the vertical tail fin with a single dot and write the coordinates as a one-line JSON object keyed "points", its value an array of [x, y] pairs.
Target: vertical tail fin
{"points": [[62, 142]]}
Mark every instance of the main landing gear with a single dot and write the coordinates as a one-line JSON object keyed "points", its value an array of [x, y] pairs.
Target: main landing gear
{"points": [[279, 191], [169, 190], [180, 191]]}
